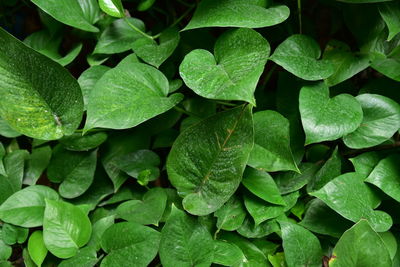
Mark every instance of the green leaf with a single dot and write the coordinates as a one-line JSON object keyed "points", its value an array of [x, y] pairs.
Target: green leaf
{"points": [[85, 257], [231, 215], [79, 142], [75, 171], [299, 55], [14, 234], [36, 247], [66, 228], [277, 260], [380, 122], [6, 130], [37, 162], [291, 181], [129, 242], [139, 161], [237, 13], [113, 8], [5, 250], [153, 53], [271, 151], [320, 219], [49, 99], [386, 176], [360, 246], [349, 196], [26, 207], [331, 169], [88, 79], [325, 118], [117, 145], [390, 241], [128, 95], [390, 13], [98, 229], [228, 137], [232, 72], [301, 247], [228, 254], [366, 162], [149, 210], [262, 185], [14, 166], [185, 242], [69, 12], [145, 5], [346, 64], [262, 211], [118, 37], [253, 255], [251, 230]]}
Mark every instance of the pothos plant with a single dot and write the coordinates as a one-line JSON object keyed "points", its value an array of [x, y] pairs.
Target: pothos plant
{"points": [[199, 133]]}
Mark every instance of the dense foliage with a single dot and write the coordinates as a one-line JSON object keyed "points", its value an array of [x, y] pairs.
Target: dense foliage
{"points": [[195, 133]]}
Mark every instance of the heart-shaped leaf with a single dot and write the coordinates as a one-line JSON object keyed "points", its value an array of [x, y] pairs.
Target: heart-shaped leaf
{"points": [[153, 53], [232, 72], [75, 171], [262, 211], [14, 164], [79, 142], [128, 95], [49, 102], [262, 185], [185, 242], [253, 256], [237, 13], [301, 247], [330, 170], [13, 234], [5, 250], [66, 228], [129, 242], [118, 37], [86, 256], [139, 162], [360, 246], [228, 137], [88, 79], [147, 211], [349, 196], [326, 118], [381, 121], [228, 254], [346, 64], [390, 13], [231, 215], [299, 55], [37, 162], [271, 151], [386, 176], [70, 12], [26, 207], [36, 247], [321, 219], [112, 7]]}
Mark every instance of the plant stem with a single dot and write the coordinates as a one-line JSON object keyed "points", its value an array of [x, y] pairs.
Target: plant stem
{"points": [[299, 14], [137, 29], [268, 76], [225, 103], [183, 16]]}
